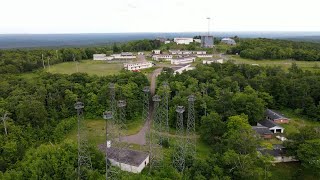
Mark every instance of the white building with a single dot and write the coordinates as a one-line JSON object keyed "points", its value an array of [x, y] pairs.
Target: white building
{"points": [[228, 41], [167, 42], [123, 56], [199, 52], [204, 55], [156, 51], [137, 66], [182, 69], [212, 61], [273, 127], [128, 160], [162, 56], [183, 60], [183, 40], [100, 57], [178, 52], [140, 53]]}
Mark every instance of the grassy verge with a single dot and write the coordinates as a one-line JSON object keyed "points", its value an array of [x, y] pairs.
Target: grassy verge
{"points": [[305, 65], [87, 66]]}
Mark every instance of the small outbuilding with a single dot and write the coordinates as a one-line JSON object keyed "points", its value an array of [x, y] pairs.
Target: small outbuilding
{"points": [[276, 117], [272, 126], [278, 152], [127, 159], [263, 131]]}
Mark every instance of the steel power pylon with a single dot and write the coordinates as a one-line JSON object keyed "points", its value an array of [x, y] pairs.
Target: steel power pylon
{"points": [[121, 126], [191, 125], [110, 173], [179, 152], [146, 103], [84, 159], [165, 108], [155, 136], [113, 102]]}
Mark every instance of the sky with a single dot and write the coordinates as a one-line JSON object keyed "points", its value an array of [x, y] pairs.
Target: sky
{"points": [[116, 16]]}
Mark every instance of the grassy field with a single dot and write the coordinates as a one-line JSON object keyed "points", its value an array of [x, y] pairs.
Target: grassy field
{"points": [[305, 65], [87, 66], [287, 171]]}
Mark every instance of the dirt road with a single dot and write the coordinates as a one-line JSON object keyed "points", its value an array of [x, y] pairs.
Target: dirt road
{"points": [[140, 137]]}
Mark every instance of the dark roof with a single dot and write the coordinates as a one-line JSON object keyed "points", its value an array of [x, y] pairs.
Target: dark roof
{"points": [[261, 130], [274, 115], [127, 156], [277, 150], [268, 123]]}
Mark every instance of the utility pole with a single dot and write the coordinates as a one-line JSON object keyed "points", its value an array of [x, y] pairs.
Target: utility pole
{"points": [[84, 159], [146, 103], [74, 60], [179, 152], [107, 115], [4, 118], [49, 62]]}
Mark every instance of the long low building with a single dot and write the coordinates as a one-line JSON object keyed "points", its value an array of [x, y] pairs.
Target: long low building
{"points": [[212, 61], [204, 55], [179, 52], [183, 40], [162, 56], [137, 66], [183, 60], [181, 69], [122, 56]]}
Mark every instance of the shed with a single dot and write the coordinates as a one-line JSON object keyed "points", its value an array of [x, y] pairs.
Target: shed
{"points": [[127, 159], [273, 127], [263, 131], [276, 117]]}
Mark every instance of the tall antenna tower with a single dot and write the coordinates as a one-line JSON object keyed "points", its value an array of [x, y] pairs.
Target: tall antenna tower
{"points": [[155, 136], [113, 102], [84, 159], [4, 118], [165, 108], [209, 19], [179, 153], [146, 103], [110, 173], [191, 141]]}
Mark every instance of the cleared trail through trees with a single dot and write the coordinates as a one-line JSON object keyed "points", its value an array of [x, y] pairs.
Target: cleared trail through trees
{"points": [[140, 137]]}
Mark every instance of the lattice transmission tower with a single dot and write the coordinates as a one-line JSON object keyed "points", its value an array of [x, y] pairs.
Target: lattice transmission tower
{"points": [[113, 102], [179, 152], [84, 159], [155, 135], [146, 103], [111, 173], [165, 109], [191, 127]]}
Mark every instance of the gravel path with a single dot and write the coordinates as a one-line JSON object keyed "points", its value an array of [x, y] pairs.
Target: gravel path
{"points": [[140, 137]]}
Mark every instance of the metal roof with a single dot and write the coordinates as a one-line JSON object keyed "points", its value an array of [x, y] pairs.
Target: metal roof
{"points": [[127, 156], [269, 124], [261, 130], [274, 115]]}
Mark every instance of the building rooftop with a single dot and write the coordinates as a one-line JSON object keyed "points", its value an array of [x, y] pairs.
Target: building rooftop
{"points": [[268, 123], [261, 130], [127, 156], [274, 115]]}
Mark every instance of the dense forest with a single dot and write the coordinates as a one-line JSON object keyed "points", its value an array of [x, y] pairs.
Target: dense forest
{"points": [[277, 49], [232, 97], [40, 111]]}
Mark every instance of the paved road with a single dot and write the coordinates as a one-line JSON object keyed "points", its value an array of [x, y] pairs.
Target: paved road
{"points": [[140, 137]]}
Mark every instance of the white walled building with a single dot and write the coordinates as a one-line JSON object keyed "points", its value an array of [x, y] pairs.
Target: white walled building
{"points": [[181, 69], [137, 66], [140, 53], [228, 41], [204, 55], [162, 56], [183, 60], [199, 52], [100, 57], [183, 40], [197, 40], [167, 42], [123, 56], [212, 61], [128, 160], [156, 51]]}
